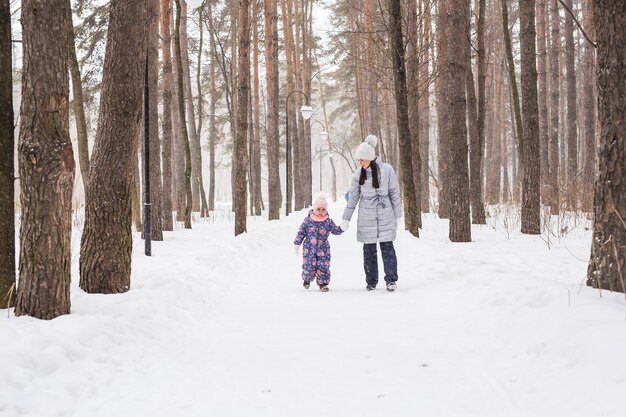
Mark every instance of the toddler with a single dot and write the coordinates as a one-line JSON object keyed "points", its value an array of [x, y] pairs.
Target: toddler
{"points": [[314, 232]]}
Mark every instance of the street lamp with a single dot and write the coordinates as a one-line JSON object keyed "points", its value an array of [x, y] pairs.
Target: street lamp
{"points": [[307, 112]]}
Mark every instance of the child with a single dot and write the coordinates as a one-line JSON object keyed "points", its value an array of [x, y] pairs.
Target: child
{"points": [[314, 232]]}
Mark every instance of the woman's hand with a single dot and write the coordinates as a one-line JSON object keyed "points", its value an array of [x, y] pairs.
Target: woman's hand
{"points": [[345, 225]]}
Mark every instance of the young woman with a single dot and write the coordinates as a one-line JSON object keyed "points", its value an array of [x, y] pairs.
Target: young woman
{"points": [[376, 191]]}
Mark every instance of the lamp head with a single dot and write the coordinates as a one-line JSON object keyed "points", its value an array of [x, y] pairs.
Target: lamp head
{"points": [[307, 112]]}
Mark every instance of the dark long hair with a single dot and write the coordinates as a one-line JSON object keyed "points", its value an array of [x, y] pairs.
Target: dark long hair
{"points": [[375, 175]]}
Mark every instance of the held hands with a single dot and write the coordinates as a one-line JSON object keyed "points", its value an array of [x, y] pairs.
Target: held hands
{"points": [[345, 225], [296, 249]]}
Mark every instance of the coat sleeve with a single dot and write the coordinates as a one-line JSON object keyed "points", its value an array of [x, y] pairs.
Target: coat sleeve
{"points": [[334, 229], [394, 193], [302, 232], [355, 195]]}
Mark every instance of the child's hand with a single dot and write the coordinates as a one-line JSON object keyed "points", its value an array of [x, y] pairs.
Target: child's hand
{"points": [[296, 249], [345, 225]]}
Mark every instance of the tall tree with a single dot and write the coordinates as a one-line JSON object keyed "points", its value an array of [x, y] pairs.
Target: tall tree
{"points": [[442, 111], [46, 163], [460, 223], [256, 200], [7, 168], [481, 75], [106, 245], [184, 136], [572, 113], [212, 125], [412, 207], [475, 145], [413, 82], [553, 135], [542, 91], [531, 215], [78, 104], [272, 134], [240, 190], [166, 125], [424, 104], [589, 105], [607, 265], [156, 186]]}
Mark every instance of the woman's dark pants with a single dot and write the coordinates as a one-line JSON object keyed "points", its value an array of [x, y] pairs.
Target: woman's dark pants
{"points": [[370, 262]]}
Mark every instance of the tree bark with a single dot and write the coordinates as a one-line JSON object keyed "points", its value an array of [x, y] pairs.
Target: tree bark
{"points": [[156, 187], [512, 80], [78, 101], [607, 264], [475, 150], [424, 107], [413, 96], [272, 135], [531, 214], [256, 199], [184, 137], [166, 148], [46, 163], [442, 112], [589, 105], [572, 113], [204, 209], [460, 223], [7, 168], [542, 73], [106, 245], [240, 191], [212, 126], [553, 136], [411, 207]]}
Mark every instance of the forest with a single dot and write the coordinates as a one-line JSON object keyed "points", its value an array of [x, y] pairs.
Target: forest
{"points": [[142, 115]]}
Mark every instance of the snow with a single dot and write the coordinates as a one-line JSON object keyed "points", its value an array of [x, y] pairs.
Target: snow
{"points": [[220, 325]]}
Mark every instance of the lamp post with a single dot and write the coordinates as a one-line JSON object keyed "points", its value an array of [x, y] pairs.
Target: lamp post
{"points": [[324, 137], [147, 213], [306, 112]]}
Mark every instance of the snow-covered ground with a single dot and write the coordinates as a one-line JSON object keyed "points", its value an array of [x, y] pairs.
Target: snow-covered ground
{"points": [[220, 325]]}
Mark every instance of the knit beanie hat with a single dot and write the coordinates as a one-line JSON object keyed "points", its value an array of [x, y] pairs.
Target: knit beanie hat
{"points": [[366, 151], [320, 201]]}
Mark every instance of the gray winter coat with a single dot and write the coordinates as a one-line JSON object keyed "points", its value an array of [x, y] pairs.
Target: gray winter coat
{"points": [[379, 209]]}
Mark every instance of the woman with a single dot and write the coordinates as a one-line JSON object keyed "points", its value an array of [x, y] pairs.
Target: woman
{"points": [[376, 191]]}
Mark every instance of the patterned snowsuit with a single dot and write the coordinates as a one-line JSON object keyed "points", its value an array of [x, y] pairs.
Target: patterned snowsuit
{"points": [[316, 251]]}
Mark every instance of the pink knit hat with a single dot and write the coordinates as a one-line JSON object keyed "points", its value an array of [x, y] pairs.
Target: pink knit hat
{"points": [[320, 201]]}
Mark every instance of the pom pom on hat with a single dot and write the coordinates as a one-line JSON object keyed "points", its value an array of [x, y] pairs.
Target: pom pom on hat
{"points": [[366, 151], [320, 201]]}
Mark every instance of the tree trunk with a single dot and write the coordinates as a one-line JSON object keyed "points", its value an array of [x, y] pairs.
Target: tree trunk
{"points": [[179, 188], [240, 191], [166, 149], [272, 135], [156, 187], [553, 136], [482, 75], [460, 223], [413, 93], [542, 74], [78, 101], [424, 107], [7, 168], [106, 245], [184, 137], [204, 209], [589, 103], [607, 265], [512, 80], [572, 114], [411, 207], [212, 126], [46, 163], [531, 213], [255, 180], [475, 150], [443, 148]]}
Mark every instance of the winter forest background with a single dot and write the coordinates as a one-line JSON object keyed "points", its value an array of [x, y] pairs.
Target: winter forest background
{"points": [[500, 116]]}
